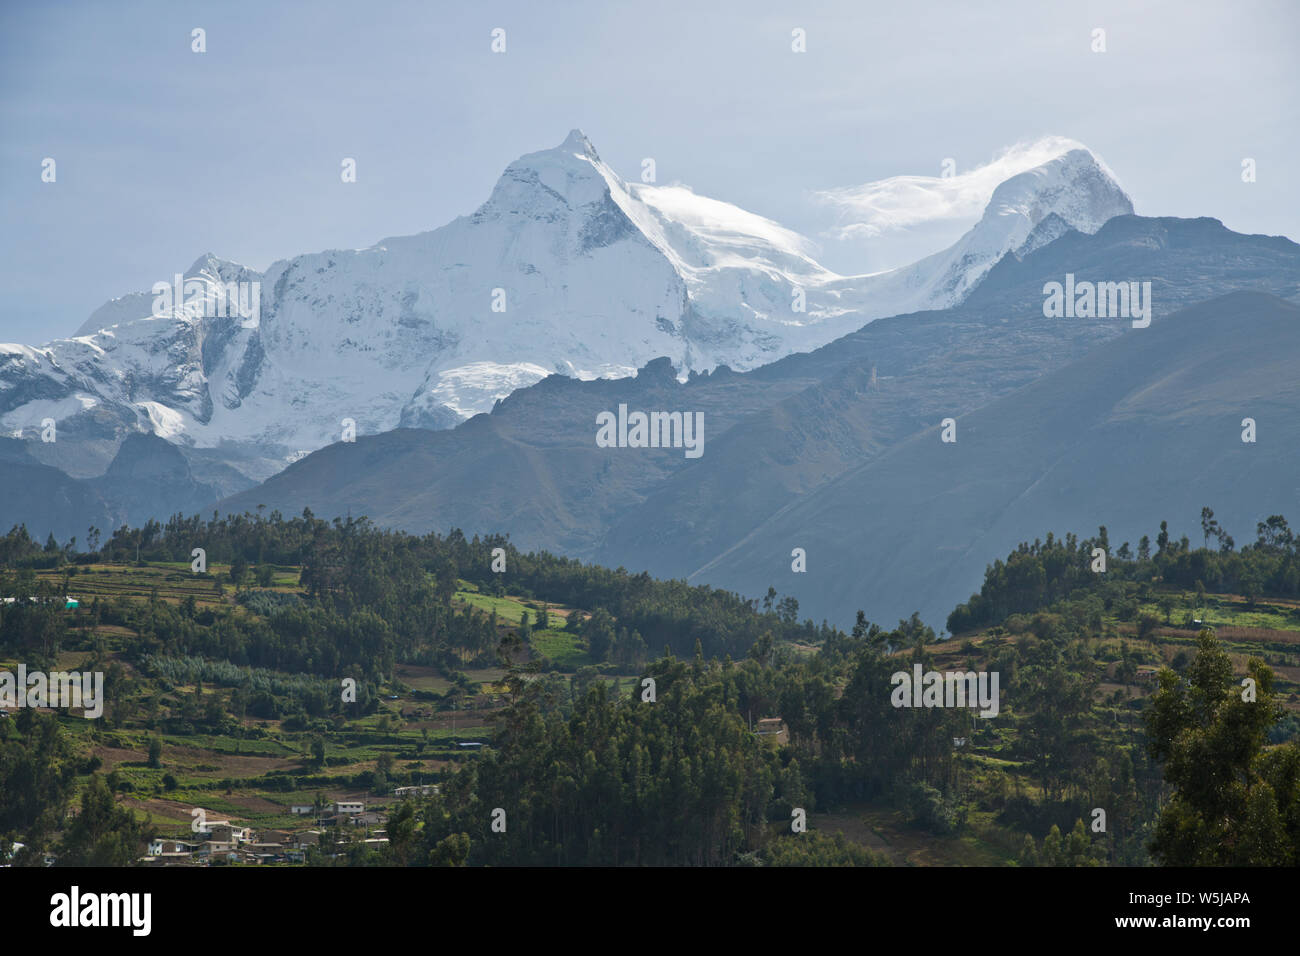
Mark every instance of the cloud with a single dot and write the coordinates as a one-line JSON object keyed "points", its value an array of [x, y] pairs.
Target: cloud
{"points": [[900, 202]]}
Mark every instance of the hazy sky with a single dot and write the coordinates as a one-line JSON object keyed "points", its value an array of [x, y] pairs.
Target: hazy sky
{"points": [[163, 154]]}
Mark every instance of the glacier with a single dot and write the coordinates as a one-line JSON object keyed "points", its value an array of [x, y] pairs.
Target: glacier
{"points": [[565, 269]]}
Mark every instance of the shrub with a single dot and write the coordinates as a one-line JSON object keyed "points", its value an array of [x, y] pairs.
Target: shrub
{"points": [[929, 809]]}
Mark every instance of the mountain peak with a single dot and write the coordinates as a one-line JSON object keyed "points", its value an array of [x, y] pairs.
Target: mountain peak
{"points": [[577, 142], [571, 173], [1076, 186], [1074, 190]]}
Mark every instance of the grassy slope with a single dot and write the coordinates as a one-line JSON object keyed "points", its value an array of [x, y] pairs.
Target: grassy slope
{"points": [[228, 776]]}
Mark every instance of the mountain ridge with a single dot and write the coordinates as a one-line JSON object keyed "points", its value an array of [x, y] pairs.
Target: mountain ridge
{"points": [[1062, 453], [565, 268], [773, 434]]}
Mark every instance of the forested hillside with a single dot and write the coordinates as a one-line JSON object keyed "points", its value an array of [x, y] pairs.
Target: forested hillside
{"points": [[542, 711]]}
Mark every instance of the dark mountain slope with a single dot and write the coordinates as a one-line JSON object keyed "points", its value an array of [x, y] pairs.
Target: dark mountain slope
{"points": [[1143, 428], [45, 499], [930, 366], [773, 435]]}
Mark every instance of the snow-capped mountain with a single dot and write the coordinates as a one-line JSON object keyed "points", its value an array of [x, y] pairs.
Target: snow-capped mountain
{"points": [[1072, 191], [565, 268]]}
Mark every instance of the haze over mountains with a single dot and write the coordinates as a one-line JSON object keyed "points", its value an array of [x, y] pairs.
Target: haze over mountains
{"points": [[821, 426], [1144, 428], [782, 436]]}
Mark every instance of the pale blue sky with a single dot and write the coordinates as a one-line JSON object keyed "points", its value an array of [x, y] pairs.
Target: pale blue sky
{"points": [[164, 154]]}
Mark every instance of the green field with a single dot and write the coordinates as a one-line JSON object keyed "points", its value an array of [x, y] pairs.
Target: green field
{"points": [[237, 750], [562, 648], [508, 610]]}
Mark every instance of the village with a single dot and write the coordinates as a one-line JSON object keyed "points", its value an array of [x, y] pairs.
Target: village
{"points": [[335, 827]]}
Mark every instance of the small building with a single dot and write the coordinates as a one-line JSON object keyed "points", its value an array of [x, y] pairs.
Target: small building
{"points": [[265, 852], [425, 790], [162, 847], [302, 809], [219, 848], [305, 838], [223, 831], [349, 806], [772, 728]]}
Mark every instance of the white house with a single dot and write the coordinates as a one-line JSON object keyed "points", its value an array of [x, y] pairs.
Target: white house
{"points": [[232, 833], [223, 831], [162, 847], [424, 790]]}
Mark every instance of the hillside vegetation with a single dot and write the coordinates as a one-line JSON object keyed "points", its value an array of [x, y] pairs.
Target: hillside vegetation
{"points": [[627, 720]]}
